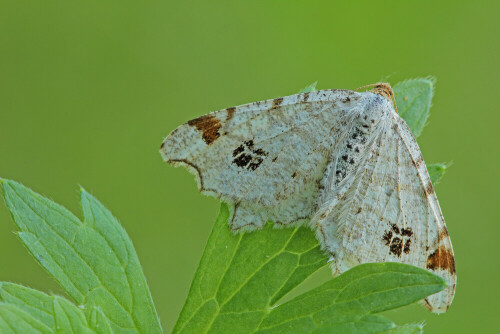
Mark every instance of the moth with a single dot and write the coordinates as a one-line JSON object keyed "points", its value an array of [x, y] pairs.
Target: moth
{"points": [[342, 161]]}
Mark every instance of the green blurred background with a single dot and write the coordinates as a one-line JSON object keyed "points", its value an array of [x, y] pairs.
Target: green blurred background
{"points": [[88, 90]]}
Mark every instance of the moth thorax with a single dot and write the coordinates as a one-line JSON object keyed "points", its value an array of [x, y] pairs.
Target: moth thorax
{"points": [[353, 148]]}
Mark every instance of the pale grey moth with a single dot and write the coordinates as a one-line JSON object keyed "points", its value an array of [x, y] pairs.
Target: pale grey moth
{"points": [[342, 161]]}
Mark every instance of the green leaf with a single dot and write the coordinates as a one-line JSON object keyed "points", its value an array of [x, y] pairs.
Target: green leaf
{"points": [[309, 88], [99, 322], [413, 98], [14, 320], [94, 261], [55, 312], [34, 302], [347, 303], [68, 318], [437, 171], [242, 277]]}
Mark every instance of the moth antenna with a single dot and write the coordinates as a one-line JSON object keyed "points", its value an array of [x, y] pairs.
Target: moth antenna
{"points": [[367, 86], [383, 89]]}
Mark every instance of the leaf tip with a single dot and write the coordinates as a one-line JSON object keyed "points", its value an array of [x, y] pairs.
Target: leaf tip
{"points": [[431, 79], [84, 194], [309, 88], [82, 191], [3, 183]]}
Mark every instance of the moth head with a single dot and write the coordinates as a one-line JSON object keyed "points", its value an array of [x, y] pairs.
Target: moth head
{"points": [[383, 89]]}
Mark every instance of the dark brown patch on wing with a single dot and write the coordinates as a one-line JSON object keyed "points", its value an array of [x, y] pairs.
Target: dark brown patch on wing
{"points": [[243, 160], [406, 232], [305, 97], [238, 150], [395, 228], [442, 258], [209, 127], [443, 234], [406, 249], [387, 237], [429, 189], [398, 240], [396, 247], [277, 102], [230, 113]]}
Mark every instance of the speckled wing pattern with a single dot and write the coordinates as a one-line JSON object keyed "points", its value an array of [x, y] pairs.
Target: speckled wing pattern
{"points": [[341, 160], [389, 212], [268, 157]]}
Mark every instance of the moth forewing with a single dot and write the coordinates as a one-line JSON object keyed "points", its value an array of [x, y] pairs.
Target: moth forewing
{"points": [[342, 160], [267, 158]]}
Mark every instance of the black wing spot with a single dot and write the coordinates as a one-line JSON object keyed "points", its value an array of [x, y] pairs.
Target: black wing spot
{"points": [[248, 157], [387, 237], [406, 249], [242, 160], [277, 102], [396, 246], [238, 150], [398, 240], [255, 163], [395, 228], [406, 232]]}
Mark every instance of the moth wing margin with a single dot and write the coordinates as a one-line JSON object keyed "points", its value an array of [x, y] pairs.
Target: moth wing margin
{"points": [[440, 257]]}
